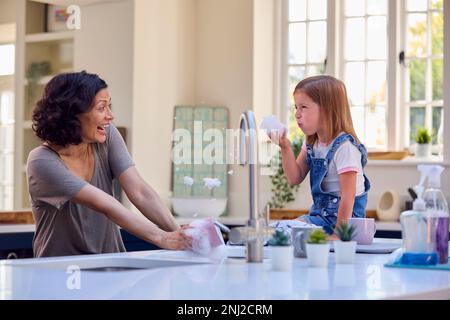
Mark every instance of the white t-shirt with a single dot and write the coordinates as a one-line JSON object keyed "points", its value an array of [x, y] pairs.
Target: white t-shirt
{"points": [[347, 158]]}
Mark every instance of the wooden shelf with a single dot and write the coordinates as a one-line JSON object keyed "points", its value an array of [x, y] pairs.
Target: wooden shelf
{"points": [[49, 36], [16, 217], [42, 81], [388, 155], [286, 214]]}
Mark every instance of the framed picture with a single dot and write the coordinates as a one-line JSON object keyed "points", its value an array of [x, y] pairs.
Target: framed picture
{"points": [[56, 18]]}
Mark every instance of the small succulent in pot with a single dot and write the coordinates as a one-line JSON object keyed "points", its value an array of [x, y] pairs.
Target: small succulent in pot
{"points": [[281, 250], [318, 237], [280, 238], [346, 248], [423, 137], [317, 248], [345, 232]]}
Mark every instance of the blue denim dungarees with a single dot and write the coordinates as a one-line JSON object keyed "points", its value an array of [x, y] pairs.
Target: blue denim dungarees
{"points": [[324, 210]]}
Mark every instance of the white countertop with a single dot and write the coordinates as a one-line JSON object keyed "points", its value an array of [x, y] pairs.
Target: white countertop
{"points": [[17, 228], [231, 279]]}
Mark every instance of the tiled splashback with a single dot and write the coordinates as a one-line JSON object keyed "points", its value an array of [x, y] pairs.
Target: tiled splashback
{"points": [[197, 120]]}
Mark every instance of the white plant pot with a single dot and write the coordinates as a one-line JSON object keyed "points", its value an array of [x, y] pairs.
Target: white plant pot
{"points": [[344, 252], [317, 254], [423, 150], [282, 257]]}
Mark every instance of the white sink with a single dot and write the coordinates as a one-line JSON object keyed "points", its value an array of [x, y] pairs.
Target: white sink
{"points": [[99, 263], [199, 207]]}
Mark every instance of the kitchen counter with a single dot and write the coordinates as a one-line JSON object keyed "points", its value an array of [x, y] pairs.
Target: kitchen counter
{"points": [[230, 221], [231, 279], [16, 239]]}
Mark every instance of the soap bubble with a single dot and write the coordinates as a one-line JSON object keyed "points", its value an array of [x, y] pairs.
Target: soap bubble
{"points": [[188, 181], [211, 183]]}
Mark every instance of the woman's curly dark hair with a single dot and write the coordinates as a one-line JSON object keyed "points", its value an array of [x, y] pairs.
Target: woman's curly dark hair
{"points": [[55, 116]]}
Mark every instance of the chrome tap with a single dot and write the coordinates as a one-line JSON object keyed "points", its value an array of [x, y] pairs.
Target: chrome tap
{"points": [[254, 234]]}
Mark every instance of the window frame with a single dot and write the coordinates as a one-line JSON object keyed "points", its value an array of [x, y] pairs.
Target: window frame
{"points": [[342, 61], [6, 86], [396, 111], [428, 103], [7, 83], [285, 65]]}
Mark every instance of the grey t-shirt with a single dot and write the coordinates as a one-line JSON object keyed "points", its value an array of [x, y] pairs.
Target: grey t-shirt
{"points": [[64, 227]]}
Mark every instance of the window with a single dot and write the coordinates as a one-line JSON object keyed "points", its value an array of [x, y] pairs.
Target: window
{"points": [[6, 126], [7, 59], [424, 60], [389, 54], [6, 149], [365, 68], [307, 46]]}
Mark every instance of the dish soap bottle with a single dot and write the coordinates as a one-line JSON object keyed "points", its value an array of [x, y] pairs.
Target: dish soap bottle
{"points": [[437, 209], [419, 246]]}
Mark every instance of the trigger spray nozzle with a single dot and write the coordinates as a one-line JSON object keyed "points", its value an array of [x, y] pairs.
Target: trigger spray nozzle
{"points": [[419, 203]]}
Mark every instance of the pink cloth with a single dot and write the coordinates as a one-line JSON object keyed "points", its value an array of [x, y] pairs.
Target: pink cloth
{"points": [[205, 236]]}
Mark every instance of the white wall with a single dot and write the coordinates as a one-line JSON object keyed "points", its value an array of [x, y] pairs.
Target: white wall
{"points": [[188, 52], [265, 55], [224, 73], [104, 45], [7, 21], [7, 11], [164, 65]]}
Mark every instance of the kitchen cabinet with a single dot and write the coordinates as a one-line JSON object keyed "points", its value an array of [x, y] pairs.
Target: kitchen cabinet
{"points": [[16, 242]]}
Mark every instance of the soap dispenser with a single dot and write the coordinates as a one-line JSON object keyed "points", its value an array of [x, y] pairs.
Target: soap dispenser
{"points": [[437, 209]]}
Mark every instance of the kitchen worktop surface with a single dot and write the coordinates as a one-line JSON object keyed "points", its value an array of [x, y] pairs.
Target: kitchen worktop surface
{"points": [[20, 228], [232, 278]]}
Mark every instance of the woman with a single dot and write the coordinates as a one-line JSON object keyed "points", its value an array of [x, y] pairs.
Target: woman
{"points": [[70, 176]]}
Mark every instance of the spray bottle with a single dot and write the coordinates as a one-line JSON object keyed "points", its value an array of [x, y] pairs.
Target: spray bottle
{"points": [[437, 209], [419, 246]]}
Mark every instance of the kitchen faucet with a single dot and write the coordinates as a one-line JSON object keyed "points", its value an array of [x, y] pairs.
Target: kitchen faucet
{"points": [[254, 234]]}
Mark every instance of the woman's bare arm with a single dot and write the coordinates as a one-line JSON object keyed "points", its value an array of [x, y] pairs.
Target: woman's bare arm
{"points": [[148, 202], [136, 224]]}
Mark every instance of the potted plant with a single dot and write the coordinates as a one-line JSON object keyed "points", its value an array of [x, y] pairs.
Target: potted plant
{"points": [[282, 192], [317, 249], [281, 250], [345, 248], [423, 139]]}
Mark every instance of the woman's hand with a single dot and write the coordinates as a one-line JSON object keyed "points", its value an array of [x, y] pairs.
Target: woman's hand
{"points": [[176, 240]]}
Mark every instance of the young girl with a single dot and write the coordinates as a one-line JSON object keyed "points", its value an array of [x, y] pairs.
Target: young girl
{"points": [[332, 153]]}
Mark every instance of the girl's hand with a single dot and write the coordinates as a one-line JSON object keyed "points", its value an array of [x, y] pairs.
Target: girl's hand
{"points": [[177, 240], [280, 138]]}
